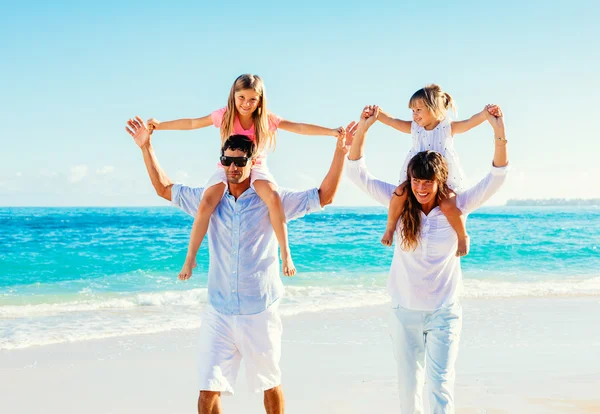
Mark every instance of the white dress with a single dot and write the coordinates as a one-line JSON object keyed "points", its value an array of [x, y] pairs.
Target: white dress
{"points": [[439, 139]]}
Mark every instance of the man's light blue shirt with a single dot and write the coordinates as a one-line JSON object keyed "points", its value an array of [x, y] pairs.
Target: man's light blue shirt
{"points": [[243, 272]]}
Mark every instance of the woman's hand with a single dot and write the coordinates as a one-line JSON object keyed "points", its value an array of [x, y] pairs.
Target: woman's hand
{"points": [[495, 117], [369, 116]]}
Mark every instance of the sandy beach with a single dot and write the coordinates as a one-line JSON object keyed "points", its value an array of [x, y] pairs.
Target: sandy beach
{"points": [[520, 355]]}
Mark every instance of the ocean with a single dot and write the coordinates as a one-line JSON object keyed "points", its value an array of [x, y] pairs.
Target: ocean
{"points": [[73, 274]]}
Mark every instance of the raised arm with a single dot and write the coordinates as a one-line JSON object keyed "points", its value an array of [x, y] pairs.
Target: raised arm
{"points": [[357, 171], [310, 129], [490, 184], [181, 124], [331, 182], [358, 140], [496, 120], [460, 127], [160, 180], [398, 124]]}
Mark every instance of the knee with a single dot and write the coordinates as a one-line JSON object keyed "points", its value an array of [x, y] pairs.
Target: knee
{"points": [[208, 397], [211, 197], [270, 197], [448, 205]]}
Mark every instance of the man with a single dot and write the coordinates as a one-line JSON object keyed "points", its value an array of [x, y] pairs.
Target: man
{"points": [[244, 287]]}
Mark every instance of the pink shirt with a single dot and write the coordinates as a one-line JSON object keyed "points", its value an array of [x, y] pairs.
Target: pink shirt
{"points": [[274, 120]]}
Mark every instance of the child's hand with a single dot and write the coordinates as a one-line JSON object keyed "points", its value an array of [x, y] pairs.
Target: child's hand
{"points": [[153, 124], [369, 111], [339, 132], [346, 142], [493, 110], [372, 111], [495, 117]]}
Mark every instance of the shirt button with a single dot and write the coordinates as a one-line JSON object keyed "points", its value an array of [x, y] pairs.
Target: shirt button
{"points": [[233, 291]]}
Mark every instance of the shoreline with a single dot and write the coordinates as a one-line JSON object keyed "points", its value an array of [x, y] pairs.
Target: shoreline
{"points": [[517, 355]]}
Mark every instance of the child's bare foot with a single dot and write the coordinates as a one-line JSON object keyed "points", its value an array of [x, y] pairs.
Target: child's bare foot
{"points": [[464, 246], [186, 271], [287, 265], [388, 238]]}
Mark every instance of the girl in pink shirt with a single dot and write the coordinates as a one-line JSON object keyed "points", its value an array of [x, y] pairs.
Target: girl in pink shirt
{"points": [[245, 114]]}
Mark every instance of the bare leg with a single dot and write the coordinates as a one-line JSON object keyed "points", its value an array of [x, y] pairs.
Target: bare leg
{"points": [[396, 206], [268, 193], [274, 401], [210, 199], [209, 402], [458, 222]]}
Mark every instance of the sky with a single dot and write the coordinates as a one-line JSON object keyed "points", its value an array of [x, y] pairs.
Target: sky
{"points": [[73, 72]]}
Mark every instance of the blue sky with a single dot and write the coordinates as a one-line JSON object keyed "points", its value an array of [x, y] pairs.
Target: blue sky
{"points": [[72, 73]]}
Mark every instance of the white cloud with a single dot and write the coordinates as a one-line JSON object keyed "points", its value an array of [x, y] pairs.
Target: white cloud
{"points": [[19, 174], [107, 169], [78, 173]]}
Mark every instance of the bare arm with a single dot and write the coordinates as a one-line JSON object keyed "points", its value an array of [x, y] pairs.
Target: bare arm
{"points": [[358, 140], [181, 124], [500, 151], [475, 196], [460, 127], [160, 180], [357, 170], [331, 182], [398, 124], [309, 129]]}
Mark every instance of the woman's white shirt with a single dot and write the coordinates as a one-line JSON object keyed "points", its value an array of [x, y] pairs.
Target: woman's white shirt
{"points": [[429, 277]]}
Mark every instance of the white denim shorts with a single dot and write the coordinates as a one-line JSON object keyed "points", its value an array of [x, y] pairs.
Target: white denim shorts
{"points": [[259, 172], [227, 339]]}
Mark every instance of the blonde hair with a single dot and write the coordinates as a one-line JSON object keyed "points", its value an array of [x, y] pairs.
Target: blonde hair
{"points": [[435, 99], [264, 138]]}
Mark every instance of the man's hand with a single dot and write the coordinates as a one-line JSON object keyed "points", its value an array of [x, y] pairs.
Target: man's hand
{"points": [[138, 130], [345, 142]]}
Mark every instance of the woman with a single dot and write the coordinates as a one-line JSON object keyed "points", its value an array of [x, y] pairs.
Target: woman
{"points": [[425, 277]]}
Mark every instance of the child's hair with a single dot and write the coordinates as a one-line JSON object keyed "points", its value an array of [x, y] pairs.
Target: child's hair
{"points": [[264, 138], [435, 99], [426, 165], [239, 142]]}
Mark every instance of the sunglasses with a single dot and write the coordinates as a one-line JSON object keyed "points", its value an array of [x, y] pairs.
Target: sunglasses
{"points": [[238, 161]]}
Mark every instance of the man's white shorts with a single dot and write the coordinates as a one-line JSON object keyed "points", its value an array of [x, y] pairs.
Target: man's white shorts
{"points": [[226, 339]]}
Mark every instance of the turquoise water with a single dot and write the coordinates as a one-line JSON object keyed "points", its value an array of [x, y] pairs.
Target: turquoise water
{"points": [[114, 271]]}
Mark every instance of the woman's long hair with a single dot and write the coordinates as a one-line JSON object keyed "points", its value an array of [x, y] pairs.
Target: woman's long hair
{"points": [[260, 117], [426, 165]]}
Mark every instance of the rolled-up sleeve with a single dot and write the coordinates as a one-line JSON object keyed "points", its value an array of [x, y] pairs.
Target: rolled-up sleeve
{"points": [[186, 198], [475, 196], [299, 203], [379, 190]]}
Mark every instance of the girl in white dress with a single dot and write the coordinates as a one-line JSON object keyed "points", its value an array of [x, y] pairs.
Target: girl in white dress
{"points": [[432, 129]]}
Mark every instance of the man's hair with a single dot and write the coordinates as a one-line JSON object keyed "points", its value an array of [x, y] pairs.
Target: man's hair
{"points": [[239, 142]]}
